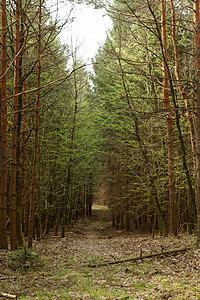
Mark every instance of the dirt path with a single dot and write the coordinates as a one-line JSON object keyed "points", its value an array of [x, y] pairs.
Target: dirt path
{"points": [[99, 223], [65, 273]]}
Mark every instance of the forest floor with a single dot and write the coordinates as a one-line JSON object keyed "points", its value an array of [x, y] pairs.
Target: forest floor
{"points": [[65, 272]]}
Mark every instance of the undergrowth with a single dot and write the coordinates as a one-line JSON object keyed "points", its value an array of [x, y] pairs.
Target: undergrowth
{"points": [[24, 258]]}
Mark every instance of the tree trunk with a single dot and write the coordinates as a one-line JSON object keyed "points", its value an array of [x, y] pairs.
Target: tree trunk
{"points": [[18, 153], [187, 105], [197, 110], [67, 196], [172, 197], [13, 236], [3, 193], [24, 202], [31, 216]]}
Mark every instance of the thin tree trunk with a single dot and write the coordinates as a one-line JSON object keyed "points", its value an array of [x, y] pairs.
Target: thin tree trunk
{"points": [[3, 194], [13, 236], [67, 197], [31, 216], [187, 105], [18, 154], [197, 110], [172, 197], [179, 82], [25, 202]]}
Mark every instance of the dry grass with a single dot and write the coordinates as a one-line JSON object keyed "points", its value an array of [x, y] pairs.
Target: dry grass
{"points": [[65, 273]]}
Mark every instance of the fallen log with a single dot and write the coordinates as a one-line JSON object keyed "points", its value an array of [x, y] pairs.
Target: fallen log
{"points": [[168, 252], [9, 277], [5, 295]]}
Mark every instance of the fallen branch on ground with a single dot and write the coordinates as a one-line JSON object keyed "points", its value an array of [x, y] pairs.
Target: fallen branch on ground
{"points": [[5, 295], [9, 277], [168, 252]]}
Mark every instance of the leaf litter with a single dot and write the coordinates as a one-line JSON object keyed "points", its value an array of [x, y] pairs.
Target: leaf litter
{"points": [[65, 274]]}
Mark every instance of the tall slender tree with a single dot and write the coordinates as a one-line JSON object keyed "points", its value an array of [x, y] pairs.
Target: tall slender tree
{"points": [[35, 159], [3, 194], [172, 195], [18, 150], [197, 108], [13, 187], [24, 201], [187, 105]]}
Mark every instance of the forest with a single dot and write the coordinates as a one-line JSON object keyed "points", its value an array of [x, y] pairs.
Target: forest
{"points": [[125, 135]]}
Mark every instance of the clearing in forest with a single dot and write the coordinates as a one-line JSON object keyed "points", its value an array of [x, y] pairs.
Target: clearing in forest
{"points": [[65, 272]]}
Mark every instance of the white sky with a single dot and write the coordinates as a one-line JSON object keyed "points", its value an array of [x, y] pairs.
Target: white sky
{"points": [[88, 30]]}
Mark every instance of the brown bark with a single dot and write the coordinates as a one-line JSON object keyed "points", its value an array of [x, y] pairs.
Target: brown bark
{"points": [[197, 110], [25, 200], [172, 197], [3, 192], [18, 150], [13, 237], [187, 104], [179, 82], [32, 201]]}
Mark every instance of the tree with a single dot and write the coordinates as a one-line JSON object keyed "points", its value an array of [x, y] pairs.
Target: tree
{"points": [[35, 159], [189, 114], [3, 194], [172, 192], [197, 109], [13, 187]]}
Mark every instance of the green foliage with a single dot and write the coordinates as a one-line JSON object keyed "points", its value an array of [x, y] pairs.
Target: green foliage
{"points": [[113, 130], [129, 109], [23, 259]]}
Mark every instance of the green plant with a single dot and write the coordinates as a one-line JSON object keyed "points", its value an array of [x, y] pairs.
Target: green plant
{"points": [[24, 258]]}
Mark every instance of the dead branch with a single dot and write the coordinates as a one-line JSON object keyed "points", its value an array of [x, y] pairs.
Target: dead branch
{"points": [[168, 252], [9, 277], [48, 84], [5, 295]]}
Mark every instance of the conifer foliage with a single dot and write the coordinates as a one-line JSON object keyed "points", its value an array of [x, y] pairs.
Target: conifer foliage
{"points": [[46, 181], [130, 129], [145, 77]]}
